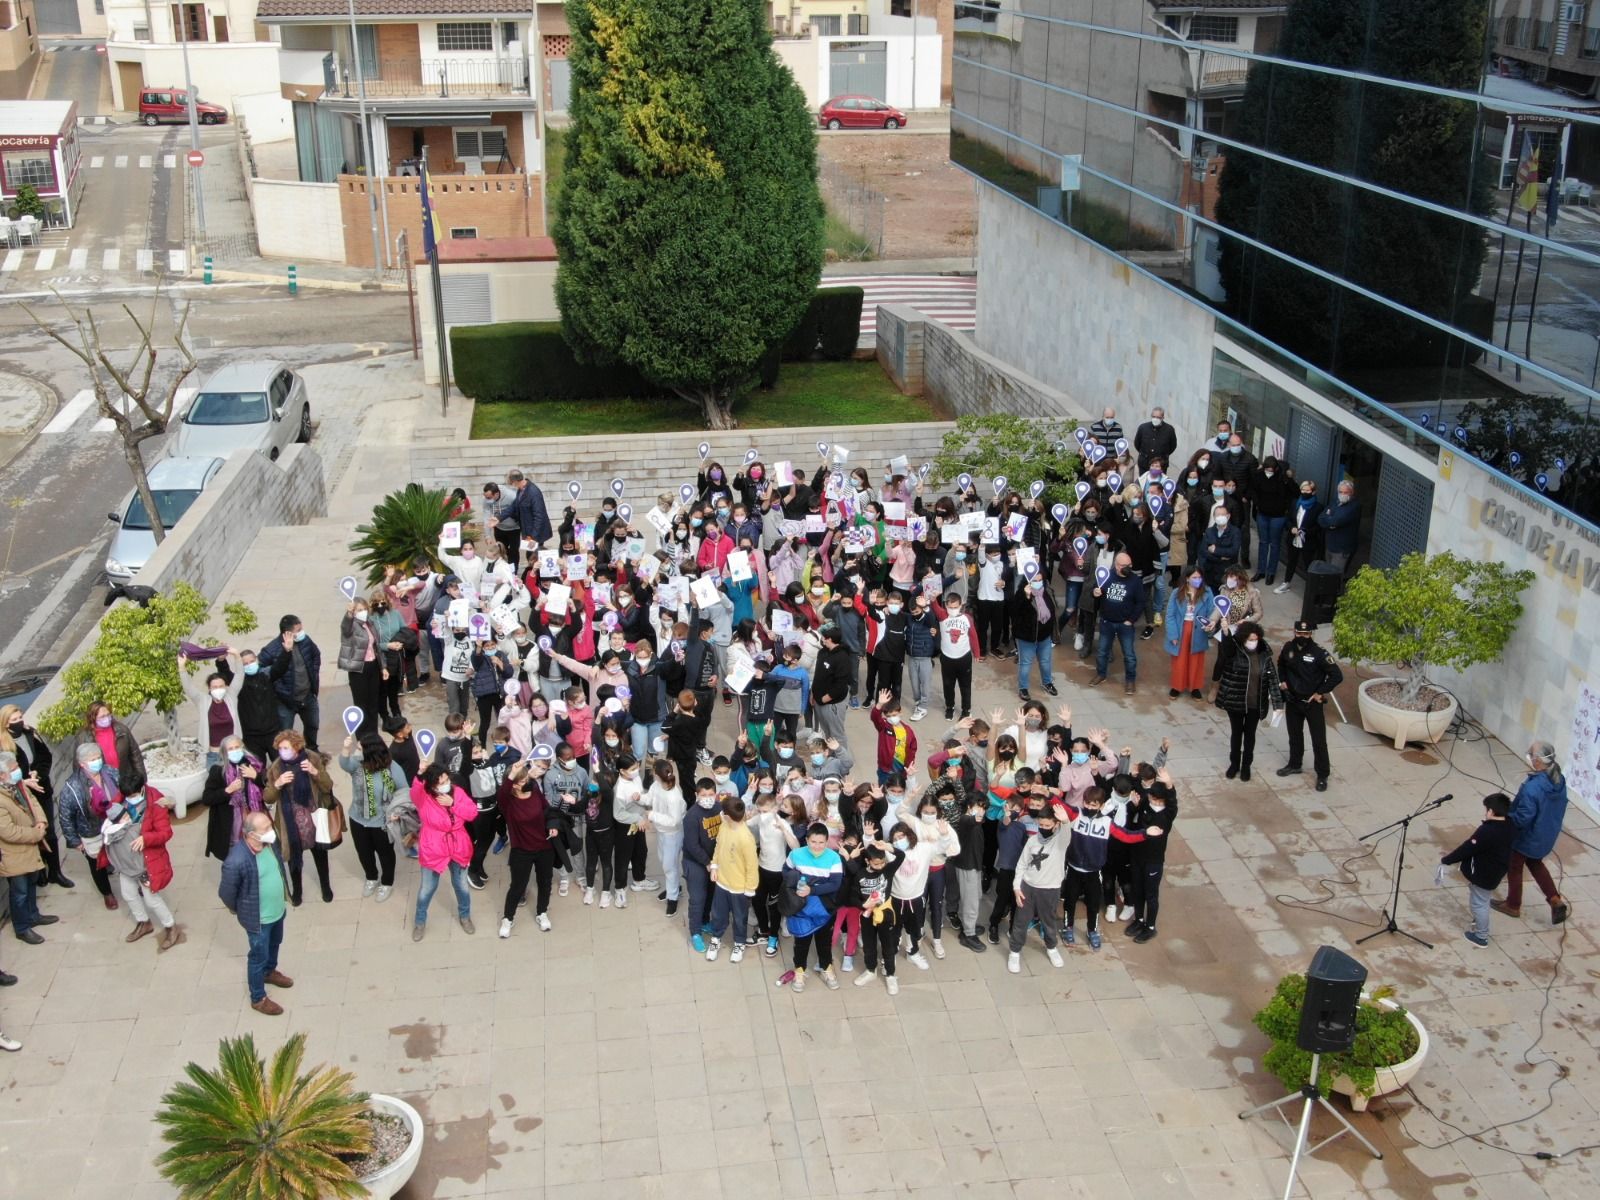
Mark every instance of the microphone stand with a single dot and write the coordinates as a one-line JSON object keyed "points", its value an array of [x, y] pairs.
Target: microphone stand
{"points": [[1404, 825]]}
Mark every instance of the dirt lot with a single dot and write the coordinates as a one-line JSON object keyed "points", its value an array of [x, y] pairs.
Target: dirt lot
{"points": [[931, 211]]}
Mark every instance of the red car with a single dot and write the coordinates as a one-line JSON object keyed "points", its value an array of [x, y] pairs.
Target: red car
{"points": [[859, 112]]}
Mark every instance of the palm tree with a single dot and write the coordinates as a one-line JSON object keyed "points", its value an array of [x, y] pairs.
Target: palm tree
{"points": [[244, 1132]]}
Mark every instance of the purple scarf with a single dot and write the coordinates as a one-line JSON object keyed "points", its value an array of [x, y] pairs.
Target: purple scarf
{"points": [[247, 799]]}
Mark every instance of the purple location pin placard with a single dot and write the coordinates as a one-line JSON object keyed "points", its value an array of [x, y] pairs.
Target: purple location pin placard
{"points": [[1223, 605], [1169, 486], [963, 481], [1561, 465], [1156, 505], [999, 482], [1122, 446], [1082, 488], [924, 469], [1542, 480], [1036, 488], [1461, 433], [1081, 434], [1516, 459], [1081, 545], [425, 742], [1060, 512], [686, 493], [1114, 481], [705, 451], [617, 487], [822, 449], [625, 511], [1101, 574], [1426, 419], [1031, 570], [542, 753], [353, 717], [348, 586], [751, 455], [574, 489], [1096, 452]]}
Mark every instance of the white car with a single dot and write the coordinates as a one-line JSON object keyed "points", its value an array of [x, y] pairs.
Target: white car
{"points": [[175, 484], [244, 406]]}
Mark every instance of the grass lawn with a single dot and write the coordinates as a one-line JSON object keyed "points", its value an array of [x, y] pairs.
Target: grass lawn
{"points": [[846, 243], [822, 393]]}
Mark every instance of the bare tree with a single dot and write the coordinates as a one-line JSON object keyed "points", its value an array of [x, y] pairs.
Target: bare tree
{"points": [[148, 410]]}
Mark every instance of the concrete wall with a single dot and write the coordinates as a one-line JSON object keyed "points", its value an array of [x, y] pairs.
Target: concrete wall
{"points": [[298, 221], [800, 56], [1532, 692], [221, 71], [518, 291], [1076, 316], [924, 51], [651, 463], [267, 115]]}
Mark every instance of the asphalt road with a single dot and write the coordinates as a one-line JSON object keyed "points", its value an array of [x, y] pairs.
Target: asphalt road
{"points": [[55, 493], [71, 71]]}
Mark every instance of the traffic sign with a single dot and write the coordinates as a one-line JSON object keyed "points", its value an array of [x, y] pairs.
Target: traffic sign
{"points": [[100, 48], [197, 158]]}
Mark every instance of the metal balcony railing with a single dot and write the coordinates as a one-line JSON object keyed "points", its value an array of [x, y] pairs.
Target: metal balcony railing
{"points": [[442, 77]]}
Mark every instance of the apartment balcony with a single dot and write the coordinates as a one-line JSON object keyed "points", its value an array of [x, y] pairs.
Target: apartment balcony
{"points": [[436, 78]]}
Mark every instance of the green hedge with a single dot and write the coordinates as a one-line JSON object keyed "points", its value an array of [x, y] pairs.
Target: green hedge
{"points": [[530, 360], [831, 325]]}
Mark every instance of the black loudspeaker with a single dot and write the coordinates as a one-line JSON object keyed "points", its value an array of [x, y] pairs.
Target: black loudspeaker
{"points": [[1333, 990], [1324, 586]]}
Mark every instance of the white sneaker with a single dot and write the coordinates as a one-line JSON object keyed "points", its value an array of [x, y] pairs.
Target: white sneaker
{"points": [[622, 898], [561, 888], [892, 984], [588, 897], [9, 1043], [544, 922], [505, 927], [1077, 641], [1111, 912], [713, 948], [1014, 963], [384, 892], [1126, 914], [1281, 588], [1054, 956], [645, 885], [919, 960], [865, 978], [829, 978], [799, 983], [938, 948], [368, 888], [848, 963], [738, 953], [918, 713]]}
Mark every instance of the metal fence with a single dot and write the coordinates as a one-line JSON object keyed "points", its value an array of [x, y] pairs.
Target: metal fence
{"points": [[856, 214], [442, 77]]}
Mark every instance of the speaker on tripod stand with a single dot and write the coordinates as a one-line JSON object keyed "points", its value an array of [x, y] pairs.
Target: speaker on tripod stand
{"points": [[1327, 1026]]}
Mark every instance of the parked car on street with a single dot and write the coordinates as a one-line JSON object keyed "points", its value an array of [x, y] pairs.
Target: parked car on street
{"points": [[175, 484], [859, 112], [254, 405], [170, 106]]}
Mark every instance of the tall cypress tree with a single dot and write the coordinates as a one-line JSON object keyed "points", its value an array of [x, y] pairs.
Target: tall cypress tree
{"points": [[689, 224], [1420, 145]]}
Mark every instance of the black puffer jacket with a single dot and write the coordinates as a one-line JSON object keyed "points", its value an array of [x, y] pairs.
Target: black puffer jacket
{"points": [[1242, 671]]}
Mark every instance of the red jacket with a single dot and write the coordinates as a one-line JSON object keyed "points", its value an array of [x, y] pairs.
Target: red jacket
{"points": [[886, 739], [157, 832]]}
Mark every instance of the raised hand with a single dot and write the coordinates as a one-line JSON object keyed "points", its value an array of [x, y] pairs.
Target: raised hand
{"points": [[1064, 714]]}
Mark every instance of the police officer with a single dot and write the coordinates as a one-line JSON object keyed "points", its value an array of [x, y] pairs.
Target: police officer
{"points": [[1308, 675]]}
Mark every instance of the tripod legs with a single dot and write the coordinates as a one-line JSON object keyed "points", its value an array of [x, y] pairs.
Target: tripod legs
{"points": [[1309, 1096]]}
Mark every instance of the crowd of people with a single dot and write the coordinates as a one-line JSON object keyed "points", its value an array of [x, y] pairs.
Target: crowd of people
{"points": [[581, 666]]}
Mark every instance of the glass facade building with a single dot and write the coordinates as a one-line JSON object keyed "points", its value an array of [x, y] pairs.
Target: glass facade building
{"points": [[1377, 207]]}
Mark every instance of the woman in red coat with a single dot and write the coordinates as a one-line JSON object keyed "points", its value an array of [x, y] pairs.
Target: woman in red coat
{"points": [[136, 831]]}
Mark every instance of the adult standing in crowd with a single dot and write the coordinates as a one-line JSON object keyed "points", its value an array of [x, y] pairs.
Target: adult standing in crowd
{"points": [[252, 889], [1121, 601], [35, 760], [1536, 814], [1272, 492], [528, 508], [1155, 439], [22, 829], [118, 749], [92, 787], [1107, 429], [1341, 525], [1247, 691], [1303, 530], [294, 664], [1307, 675], [1191, 614], [1237, 467]]}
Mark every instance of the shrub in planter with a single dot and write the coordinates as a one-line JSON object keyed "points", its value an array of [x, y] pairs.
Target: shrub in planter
{"points": [[245, 1131], [404, 528], [1384, 1037], [1442, 610]]}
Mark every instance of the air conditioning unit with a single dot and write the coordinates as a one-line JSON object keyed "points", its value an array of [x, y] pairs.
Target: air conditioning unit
{"points": [[1572, 13]]}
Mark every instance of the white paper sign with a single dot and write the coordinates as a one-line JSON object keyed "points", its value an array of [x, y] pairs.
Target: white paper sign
{"points": [[1016, 527], [739, 566], [900, 465], [896, 533], [1026, 555], [549, 564], [1582, 762], [952, 533], [704, 592], [739, 678], [602, 593], [557, 598], [973, 522], [577, 566], [457, 616], [894, 510], [991, 530], [647, 567], [783, 473], [782, 621], [450, 535], [815, 524], [864, 536], [659, 521], [792, 529], [840, 455]]}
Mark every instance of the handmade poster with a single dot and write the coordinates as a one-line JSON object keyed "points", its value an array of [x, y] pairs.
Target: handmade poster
{"points": [[436, 625], [1016, 526], [900, 464], [529, 546], [814, 523], [930, 585], [1026, 555], [792, 529], [450, 536], [601, 593], [634, 549], [558, 708], [991, 531], [583, 535], [832, 519], [659, 521], [739, 566], [865, 536], [705, 593], [647, 567], [739, 678], [458, 613], [577, 566], [478, 626], [1582, 762], [783, 473], [669, 592], [782, 622], [952, 533], [918, 527], [896, 533], [470, 595], [972, 522], [840, 455], [835, 488], [894, 510], [557, 598]]}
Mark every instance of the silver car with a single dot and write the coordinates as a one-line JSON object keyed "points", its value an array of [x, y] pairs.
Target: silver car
{"points": [[175, 484], [245, 406]]}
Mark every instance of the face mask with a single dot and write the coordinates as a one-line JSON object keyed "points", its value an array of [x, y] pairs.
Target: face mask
{"points": [[267, 837], [1222, 521], [894, 608], [1202, 463], [608, 511], [766, 789], [818, 759], [1217, 492], [642, 663], [954, 610], [994, 558], [16, 774], [895, 720], [300, 635], [756, 473], [1269, 474], [928, 818], [696, 522], [443, 789], [721, 777], [286, 753], [1080, 757], [1034, 723], [1047, 834], [1235, 449], [1231, 585], [706, 801], [1100, 539], [93, 766], [785, 751], [1345, 497], [103, 722], [468, 552], [1135, 502], [251, 668], [1156, 421], [895, 799], [902, 845], [1196, 580], [219, 694], [1194, 480], [499, 746], [832, 794], [961, 556], [717, 475], [612, 742]]}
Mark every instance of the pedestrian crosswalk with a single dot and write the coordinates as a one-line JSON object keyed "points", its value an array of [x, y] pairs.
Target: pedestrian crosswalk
{"points": [[81, 414], [77, 259], [949, 299], [110, 160]]}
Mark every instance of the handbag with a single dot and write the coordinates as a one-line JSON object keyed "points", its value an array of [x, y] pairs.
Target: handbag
{"points": [[329, 824]]}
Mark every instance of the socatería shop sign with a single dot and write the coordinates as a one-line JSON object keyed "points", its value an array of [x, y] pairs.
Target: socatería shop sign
{"points": [[26, 141]]}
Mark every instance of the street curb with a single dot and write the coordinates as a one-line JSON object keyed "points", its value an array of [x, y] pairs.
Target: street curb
{"points": [[222, 275]]}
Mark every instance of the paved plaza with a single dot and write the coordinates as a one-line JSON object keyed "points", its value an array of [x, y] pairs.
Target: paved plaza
{"points": [[605, 1059]]}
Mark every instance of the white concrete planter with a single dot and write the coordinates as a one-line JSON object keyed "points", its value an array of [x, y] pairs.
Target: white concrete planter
{"points": [[180, 790], [1402, 725], [1389, 1079], [385, 1183]]}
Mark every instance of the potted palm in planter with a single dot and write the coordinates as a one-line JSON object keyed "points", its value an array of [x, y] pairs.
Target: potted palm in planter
{"points": [[1436, 610], [1389, 1048], [246, 1131]]}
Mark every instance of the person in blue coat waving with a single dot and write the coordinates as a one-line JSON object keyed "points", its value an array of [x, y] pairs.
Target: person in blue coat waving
{"points": [[1536, 813]]}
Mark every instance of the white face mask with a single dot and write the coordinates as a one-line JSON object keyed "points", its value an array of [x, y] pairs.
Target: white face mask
{"points": [[361, 614], [219, 694], [443, 789], [1222, 521], [267, 837], [1252, 644]]}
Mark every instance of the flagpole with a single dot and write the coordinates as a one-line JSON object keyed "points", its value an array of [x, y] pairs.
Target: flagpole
{"points": [[431, 243]]}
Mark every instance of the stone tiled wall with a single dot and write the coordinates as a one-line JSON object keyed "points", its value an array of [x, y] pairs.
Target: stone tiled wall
{"points": [[653, 463], [1532, 692], [899, 346]]}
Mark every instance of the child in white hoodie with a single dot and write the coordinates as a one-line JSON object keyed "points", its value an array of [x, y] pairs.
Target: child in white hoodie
{"points": [[666, 807]]}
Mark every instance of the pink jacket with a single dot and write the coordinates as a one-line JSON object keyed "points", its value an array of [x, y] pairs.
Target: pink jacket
{"points": [[444, 837]]}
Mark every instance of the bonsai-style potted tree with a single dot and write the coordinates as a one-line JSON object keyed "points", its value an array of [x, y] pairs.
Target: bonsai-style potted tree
{"points": [[1023, 449], [249, 1132], [1389, 1048], [1429, 611], [134, 665], [405, 527]]}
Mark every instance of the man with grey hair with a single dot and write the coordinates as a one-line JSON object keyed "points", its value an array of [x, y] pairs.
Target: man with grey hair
{"points": [[1155, 439], [253, 890], [1536, 814], [1107, 429]]}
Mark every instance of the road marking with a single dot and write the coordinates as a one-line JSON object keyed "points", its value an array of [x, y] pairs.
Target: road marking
{"points": [[122, 160], [168, 161], [13, 260], [70, 412], [79, 260], [46, 259], [110, 259], [178, 262], [145, 162], [55, 602], [143, 260], [98, 161]]}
